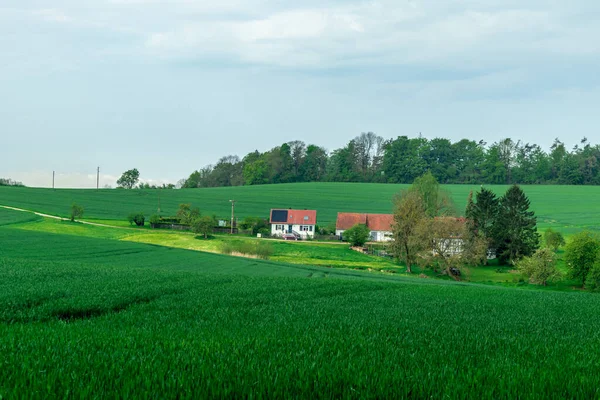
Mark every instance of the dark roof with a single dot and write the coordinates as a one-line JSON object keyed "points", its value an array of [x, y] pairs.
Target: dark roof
{"points": [[293, 217]]}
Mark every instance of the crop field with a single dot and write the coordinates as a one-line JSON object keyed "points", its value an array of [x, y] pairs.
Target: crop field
{"points": [[9, 217], [92, 317], [566, 208], [102, 315]]}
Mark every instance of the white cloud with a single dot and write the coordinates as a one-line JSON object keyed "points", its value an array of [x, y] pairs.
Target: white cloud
{"points": [[381, 32]]}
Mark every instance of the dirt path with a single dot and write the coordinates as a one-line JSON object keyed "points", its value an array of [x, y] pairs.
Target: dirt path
{"points": [[63, 219]]}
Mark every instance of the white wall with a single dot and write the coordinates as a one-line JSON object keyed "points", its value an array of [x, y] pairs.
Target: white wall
{"points": [[295, 228]]}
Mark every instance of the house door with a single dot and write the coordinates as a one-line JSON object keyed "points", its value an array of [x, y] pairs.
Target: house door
{"points": [[290, 228]]}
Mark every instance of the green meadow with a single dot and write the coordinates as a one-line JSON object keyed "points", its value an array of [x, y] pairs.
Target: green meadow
{"points": [[565, 208], [84, 313]]}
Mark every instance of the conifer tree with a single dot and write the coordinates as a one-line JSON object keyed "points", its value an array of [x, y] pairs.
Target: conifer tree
{"points": [[515, 230]]}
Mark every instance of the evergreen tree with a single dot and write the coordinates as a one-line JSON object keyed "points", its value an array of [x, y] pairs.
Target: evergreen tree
{"points": [[515, 230], [484, 212]]}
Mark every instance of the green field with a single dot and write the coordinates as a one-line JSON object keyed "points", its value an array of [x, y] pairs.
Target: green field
{"points": [[566, 208], [96, 317]]}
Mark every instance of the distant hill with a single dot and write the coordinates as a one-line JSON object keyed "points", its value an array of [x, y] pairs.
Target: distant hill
{"points": [[568, 208]]}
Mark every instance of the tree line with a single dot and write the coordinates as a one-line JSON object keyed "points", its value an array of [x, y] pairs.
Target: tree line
{"points": [[371, 158]]}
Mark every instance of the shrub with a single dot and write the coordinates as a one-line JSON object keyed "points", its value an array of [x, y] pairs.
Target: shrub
{"points": [[155, 219], [256, 224], [592, 281], [259, 249], [137, 218], [540, 267], [358, 235]]}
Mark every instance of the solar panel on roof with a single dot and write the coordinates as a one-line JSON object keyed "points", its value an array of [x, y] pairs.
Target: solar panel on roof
{"points": [[279, 216]]}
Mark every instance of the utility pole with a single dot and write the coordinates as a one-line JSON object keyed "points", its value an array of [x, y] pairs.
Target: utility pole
{"points": [[98, 178], [232, 207], [159, 201], [52, 180]]}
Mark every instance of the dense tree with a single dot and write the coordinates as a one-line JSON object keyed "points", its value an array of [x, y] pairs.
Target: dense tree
{"points": [[370, 158], [187, 214], [203, 225], [515, 231], [482, 215], [10, 182], [580, 255], [314, 167], [358, 235], [540, 267], [403, 161], [129, 179]]}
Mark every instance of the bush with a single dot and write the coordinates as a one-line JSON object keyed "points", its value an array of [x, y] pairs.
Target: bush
{"points": [[358, 235], [592, 281], [155, 219], [137, 218], [259, 249], [256, 224], [540, 267]]}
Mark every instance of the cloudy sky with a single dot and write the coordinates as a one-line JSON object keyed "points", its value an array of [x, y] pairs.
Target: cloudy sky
{"points": [[170, 86]]}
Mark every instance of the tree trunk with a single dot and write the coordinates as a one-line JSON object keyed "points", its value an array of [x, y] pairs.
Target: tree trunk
{"points": [[408, 259]]}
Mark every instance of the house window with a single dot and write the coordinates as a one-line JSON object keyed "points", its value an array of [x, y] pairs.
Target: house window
{"points": [[304, 228], [278, 227], [310, 228]]}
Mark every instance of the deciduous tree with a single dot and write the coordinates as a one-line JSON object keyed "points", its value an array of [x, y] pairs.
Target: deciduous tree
{"points": [[76, 211], [203, 225], [580, 255], [129, 179], [409, 215], [553, 239], [187, 214], [540, 267]]}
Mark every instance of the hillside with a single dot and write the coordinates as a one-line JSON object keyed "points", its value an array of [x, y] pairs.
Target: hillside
{"points": [[97, 316], [567, 208]]}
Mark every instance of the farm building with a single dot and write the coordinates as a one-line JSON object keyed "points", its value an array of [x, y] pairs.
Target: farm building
{"points": [[300, 223], [380, 225]]}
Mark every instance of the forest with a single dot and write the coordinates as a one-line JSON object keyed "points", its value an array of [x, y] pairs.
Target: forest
{"points": [[371, 158]]}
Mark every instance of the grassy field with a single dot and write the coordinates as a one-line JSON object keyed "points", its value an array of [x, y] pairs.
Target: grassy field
{"points": [[94, 316], [566, 208], [332, 255]]}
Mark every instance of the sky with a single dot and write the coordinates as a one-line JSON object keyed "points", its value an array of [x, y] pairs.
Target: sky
{"points": [[168, 87]]}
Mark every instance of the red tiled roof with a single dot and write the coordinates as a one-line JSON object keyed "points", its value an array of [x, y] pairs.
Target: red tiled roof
{"points": [[348, 220], [297, 217], [375, 222], [380, 222]]}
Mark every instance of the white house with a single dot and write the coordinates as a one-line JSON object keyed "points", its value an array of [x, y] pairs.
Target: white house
{"points": [[300, 223], [380, 225]]}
